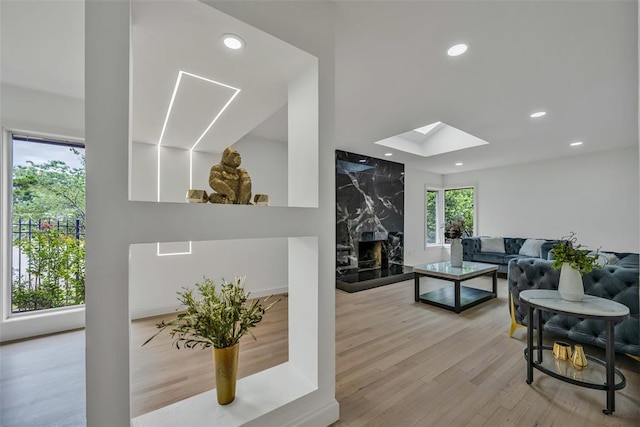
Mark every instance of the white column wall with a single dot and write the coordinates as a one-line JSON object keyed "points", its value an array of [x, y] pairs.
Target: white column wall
{"points": [[107, 130], [595, 195], [303, 128]]}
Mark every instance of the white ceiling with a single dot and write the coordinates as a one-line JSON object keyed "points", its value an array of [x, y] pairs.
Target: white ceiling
{"points": [[168, 37], [576, 60]]}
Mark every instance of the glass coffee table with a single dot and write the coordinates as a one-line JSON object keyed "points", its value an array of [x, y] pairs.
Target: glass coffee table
{"points": [[458, 297]]}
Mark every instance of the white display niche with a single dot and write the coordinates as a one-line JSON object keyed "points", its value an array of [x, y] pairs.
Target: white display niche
{"points": [[271, 389], [192, 98]]}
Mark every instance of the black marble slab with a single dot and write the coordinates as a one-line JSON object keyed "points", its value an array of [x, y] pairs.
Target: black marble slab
{"points": [[369, 207]]}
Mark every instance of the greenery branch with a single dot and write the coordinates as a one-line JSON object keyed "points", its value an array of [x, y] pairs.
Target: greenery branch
{"points": [[218, 319], [570, 251]]}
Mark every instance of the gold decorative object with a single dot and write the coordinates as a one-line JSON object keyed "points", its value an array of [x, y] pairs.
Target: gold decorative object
{"points": [[562, 367], [226, 364], [561, 350], [231, 183], [579, 359], [261, 200], [197, 196]]}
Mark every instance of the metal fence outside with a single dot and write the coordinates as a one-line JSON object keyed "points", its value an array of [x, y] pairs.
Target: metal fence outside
{"points": [[25, 228]]}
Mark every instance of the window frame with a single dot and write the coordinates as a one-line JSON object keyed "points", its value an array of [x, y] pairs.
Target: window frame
{"points": [[440, 206], [26, 324], [439, 216]]}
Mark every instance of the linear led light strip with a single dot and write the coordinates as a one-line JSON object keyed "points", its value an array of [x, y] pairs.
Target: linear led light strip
{"points": [[215, 119], [164, 127]]}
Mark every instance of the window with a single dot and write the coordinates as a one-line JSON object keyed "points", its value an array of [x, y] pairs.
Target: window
{"points": [[47, 224], [432, 222], [445, 205]]}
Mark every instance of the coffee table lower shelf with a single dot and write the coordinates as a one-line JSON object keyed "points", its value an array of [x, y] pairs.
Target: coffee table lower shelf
{"points": [[445, 297]]}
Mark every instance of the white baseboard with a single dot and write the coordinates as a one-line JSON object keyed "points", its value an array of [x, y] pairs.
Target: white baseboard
{"points": [[324, 416]]}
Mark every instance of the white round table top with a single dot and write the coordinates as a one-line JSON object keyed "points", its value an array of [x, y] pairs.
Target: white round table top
{"points": [[590, 306]]}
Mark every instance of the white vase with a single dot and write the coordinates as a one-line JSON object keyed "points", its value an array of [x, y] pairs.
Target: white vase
{"points": [[456, 253], [570, 285]]}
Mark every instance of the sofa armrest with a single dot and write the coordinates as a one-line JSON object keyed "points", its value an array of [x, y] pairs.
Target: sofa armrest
{"points": [[546, 250], [470, 246]]}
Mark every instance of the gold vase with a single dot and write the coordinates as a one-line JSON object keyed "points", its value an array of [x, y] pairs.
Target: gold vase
{"points": [[561, 350], [226, 364], [579, 359]]}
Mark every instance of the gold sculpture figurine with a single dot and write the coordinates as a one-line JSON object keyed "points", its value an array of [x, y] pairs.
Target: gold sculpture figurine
{"points": [[231, 183]]}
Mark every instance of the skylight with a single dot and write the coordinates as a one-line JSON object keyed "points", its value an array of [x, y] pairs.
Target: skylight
{"points": [[431, 140], [428, 128]]}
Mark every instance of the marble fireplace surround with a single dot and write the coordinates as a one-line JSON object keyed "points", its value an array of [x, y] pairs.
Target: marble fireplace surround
{"points": [[369, 218]]}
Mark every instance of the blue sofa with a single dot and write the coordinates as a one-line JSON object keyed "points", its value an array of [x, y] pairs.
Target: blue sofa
{"points": [[618, 282], [472, 251]]}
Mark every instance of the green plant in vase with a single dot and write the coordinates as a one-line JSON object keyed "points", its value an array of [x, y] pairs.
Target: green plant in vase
{"points": [[573, 260], [570, 251], [217, 319]]}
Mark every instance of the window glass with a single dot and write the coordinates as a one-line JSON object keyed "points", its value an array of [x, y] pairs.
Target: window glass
{"points": [[432, 217], [459, 203], [47, 222]]}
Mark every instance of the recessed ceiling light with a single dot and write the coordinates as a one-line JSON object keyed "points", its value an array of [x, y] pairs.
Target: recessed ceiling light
{"points": [[232, 41], [363, 160], [458, 49], [575, 144], [459, 164], [538, 114], [388, 154]]}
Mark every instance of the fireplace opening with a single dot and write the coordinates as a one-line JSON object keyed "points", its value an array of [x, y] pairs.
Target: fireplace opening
{"points": [[372, 255]]}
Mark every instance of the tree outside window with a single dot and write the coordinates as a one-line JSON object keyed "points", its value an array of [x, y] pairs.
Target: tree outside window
{"points": [[458, 203]]}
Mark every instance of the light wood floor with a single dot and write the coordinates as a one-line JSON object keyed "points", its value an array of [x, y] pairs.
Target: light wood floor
{"points": [[398, 363]]}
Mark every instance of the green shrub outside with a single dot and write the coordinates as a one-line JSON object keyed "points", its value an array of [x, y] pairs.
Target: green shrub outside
{"points": [[56, 266]]}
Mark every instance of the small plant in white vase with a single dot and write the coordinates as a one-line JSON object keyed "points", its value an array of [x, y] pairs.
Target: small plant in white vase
{"points": [[573, 260]]}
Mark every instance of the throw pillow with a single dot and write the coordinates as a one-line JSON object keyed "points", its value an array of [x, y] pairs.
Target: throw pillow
{"points": [[604, 258], [531, 247], [492, 244]]}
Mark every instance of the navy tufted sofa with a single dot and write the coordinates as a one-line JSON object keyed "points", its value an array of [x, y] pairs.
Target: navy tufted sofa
{"points": [[618, 282], [472, 251]]}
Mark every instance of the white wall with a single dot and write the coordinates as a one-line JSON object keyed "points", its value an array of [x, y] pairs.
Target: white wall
{"points": [[595, 195], [264, 159], [154, 280], [415, 252], [266, 162], [36, 111]]}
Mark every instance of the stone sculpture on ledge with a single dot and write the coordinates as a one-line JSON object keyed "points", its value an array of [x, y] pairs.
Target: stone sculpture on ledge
{"points": [[231, 183]]}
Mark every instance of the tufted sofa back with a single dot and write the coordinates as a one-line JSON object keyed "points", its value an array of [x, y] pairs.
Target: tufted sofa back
{"points": [[615, 282]]}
